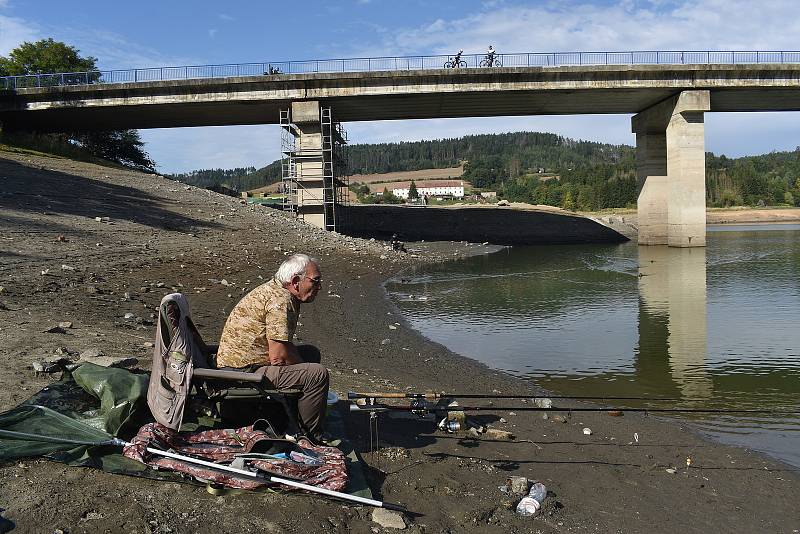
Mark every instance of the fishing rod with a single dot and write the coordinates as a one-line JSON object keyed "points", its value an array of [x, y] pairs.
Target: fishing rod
{"points": [[240, 473], [423, 408], [353, 395]]}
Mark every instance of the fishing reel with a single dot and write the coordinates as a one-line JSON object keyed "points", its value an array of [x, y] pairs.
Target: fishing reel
{"points": [[450, 426]]}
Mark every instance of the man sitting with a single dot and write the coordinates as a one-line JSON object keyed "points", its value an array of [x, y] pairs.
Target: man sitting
{"points": [[258, 337]]}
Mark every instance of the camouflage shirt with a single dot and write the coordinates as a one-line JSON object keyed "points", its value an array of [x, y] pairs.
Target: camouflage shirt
{"points": [[267, 312]]}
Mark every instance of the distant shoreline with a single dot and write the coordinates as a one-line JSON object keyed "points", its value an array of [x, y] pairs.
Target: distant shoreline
{"points": [[717, 215]]}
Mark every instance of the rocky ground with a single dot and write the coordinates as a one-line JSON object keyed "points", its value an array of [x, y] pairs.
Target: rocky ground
{"points": [[101, 280]]}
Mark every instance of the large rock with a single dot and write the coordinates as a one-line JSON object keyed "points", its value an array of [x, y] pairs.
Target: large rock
{"points": [[91, 353], [50, 364], [388, 518], [97, 357]]}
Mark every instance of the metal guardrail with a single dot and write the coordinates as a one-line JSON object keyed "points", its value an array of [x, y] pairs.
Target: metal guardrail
{"points": [[533, 59]]}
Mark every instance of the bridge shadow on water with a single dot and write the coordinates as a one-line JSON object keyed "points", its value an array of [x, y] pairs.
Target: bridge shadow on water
{"points": [[37, 192]]}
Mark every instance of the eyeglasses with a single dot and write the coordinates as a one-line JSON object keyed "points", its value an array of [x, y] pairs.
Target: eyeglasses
{"points": [[316, 281]]}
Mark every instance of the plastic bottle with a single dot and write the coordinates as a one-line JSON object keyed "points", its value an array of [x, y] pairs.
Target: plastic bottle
{"points": [[531, 503], [538, 491]]}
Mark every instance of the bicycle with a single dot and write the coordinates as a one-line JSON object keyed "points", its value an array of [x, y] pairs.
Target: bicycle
{"points": [[490, 61], [455, 63]]}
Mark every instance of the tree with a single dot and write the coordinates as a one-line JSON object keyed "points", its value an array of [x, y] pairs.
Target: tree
{"points": [[389, 198], [413, 194], [45, 56], [122, 146], [49, 56]]}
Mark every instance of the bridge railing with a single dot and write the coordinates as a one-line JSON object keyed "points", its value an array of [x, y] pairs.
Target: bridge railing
{"points": [[405, 63]]}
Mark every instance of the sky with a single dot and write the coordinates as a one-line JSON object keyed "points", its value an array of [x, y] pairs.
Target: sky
{"points": [[155, 33]]}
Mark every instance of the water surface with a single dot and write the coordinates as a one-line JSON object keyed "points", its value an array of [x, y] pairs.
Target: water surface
{"points": [[716, 327]]}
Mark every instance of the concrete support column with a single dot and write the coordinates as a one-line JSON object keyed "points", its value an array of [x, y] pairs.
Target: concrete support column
{"points": [[651, 174], [670, 162], [309, 162]]}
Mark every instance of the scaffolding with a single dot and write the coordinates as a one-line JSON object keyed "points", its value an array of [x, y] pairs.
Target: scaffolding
{"points": [[313, 169]]}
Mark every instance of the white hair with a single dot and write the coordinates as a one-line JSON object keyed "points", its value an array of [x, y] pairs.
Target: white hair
{"points": [[294, 265]]}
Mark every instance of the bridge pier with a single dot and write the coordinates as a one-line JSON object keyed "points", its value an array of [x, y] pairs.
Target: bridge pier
{"points": [[670, 167], [311, 165]]}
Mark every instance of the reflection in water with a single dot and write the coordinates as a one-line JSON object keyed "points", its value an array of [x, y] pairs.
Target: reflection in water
{"points": [[672, 315], [715, 327]]}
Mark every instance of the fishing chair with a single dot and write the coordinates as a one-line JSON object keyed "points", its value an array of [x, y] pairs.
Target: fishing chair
{"points": [[238, 398]]}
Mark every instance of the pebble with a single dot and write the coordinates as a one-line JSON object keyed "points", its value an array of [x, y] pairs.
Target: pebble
{"points": [[385, 341], [129, 316], [65, 324], [587, 431], [517, 485]]}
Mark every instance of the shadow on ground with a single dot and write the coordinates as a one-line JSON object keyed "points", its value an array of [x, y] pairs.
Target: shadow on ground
{"points": [[29, 189]]}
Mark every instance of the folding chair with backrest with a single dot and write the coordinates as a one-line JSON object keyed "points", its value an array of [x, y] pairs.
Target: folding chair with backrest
{"points": [[183, 372]]}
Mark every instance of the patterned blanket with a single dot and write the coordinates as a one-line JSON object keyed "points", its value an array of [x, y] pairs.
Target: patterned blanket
{"points": [[311, 464]]}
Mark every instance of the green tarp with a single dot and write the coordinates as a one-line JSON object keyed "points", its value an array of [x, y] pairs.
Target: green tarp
{"points": [[68, 409]]}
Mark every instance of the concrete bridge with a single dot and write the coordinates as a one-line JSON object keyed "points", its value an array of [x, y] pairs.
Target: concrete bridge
{"points": [[668, 103]]}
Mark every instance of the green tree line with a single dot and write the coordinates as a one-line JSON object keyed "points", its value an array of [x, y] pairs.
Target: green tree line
{"points": [[544, 168], [48, 56]]}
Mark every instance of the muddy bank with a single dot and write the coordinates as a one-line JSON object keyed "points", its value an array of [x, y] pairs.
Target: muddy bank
{"points": [[162, 236]]}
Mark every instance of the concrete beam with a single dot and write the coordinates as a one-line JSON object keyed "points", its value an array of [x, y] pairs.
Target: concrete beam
{"points": [[391, 95], [670, 157]]}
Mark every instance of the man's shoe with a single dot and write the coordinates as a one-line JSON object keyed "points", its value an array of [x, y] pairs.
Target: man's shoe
{"points": [[324, 438]]}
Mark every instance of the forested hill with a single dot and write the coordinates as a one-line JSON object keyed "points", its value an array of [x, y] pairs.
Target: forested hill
{"points": [[521, 149], [544, 168]]}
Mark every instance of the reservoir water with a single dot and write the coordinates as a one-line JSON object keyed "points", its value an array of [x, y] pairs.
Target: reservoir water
{"points": [[716, 327]]}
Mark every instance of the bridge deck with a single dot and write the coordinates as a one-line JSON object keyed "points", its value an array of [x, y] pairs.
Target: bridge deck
{"points": [[389, 95]]}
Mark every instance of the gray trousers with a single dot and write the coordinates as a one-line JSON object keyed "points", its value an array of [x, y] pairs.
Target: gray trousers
{"points": [[312, 379]]}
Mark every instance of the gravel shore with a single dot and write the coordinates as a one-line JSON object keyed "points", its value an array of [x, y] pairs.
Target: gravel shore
{"points": [[60, 264]]}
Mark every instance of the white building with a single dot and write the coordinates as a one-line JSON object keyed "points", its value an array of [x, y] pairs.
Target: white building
{"points": [[431, 188]]}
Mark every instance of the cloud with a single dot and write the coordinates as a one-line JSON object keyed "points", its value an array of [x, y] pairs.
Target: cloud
{"points": [[14, 31], [115, 51], [212, 32], [512, 27], [587, 26], [226, 17]]}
